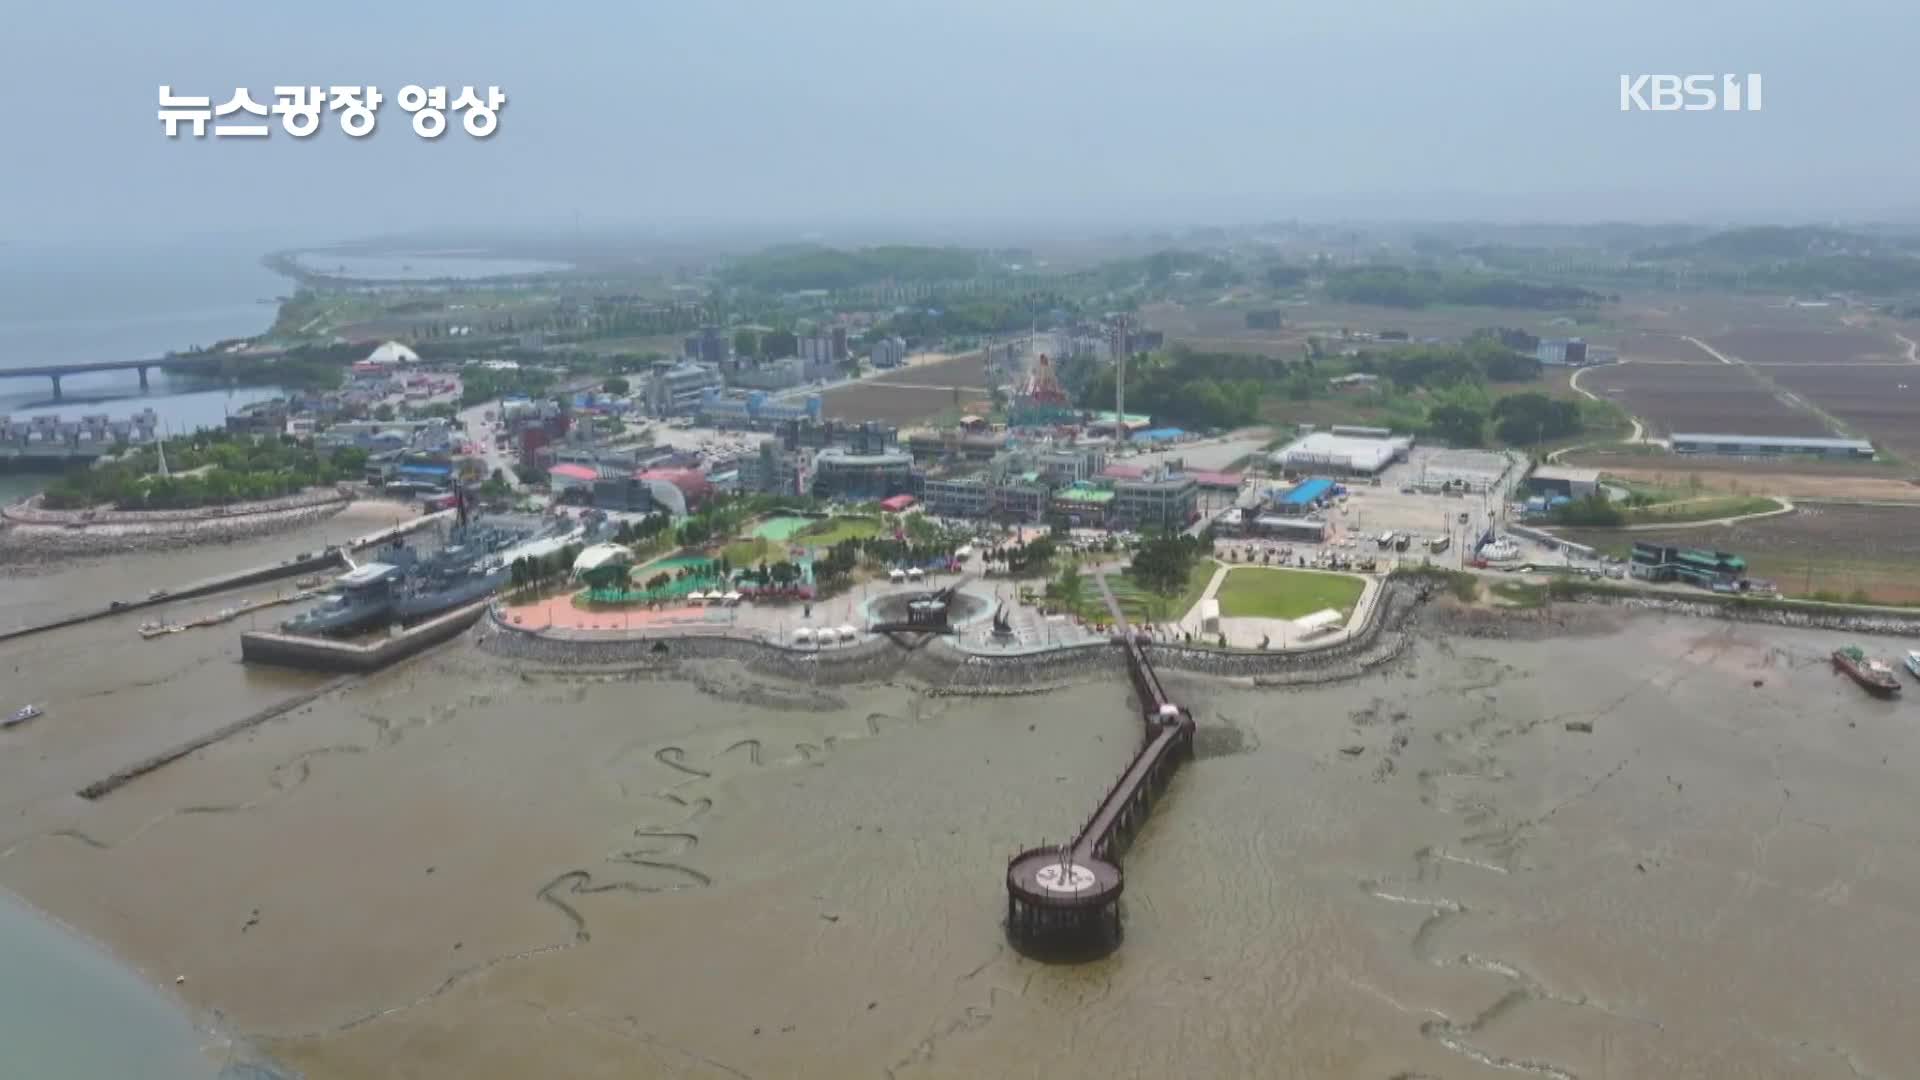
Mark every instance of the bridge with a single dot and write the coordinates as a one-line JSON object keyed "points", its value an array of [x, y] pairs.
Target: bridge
{"points": [[56, 372], [1064, 901]]}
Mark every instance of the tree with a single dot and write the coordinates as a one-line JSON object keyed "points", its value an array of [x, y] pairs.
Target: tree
{"points": [[617, 386], [383, 412], [746, 343], [1071, 588], [1163, 563], [1521, 419], [1456, 423]]}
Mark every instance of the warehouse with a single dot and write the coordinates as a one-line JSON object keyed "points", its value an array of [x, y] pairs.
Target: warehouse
{"points": [[1772, 446], [1553, 480], [1324, 452], [1302, 498]]}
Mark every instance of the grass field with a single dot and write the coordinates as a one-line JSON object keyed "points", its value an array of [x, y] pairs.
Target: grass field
{"points": [[751, 551], [779, 528], [1700, 508], [1138, 604], [1263, 592], [833, 530]]}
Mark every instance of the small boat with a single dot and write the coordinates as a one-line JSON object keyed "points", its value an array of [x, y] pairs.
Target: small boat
{"points": [[1873, 676], [1913, 662], [21, 715]]}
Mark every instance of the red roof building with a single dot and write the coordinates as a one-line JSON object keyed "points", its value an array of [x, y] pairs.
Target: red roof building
{"points": [[897, 503]]}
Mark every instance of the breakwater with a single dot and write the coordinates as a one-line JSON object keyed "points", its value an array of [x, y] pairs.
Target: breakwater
{"points": [[1799, 614], [325, 654]]}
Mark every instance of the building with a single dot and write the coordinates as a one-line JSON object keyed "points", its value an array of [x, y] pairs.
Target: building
{"points": [[1551, 480], [391, 354], [1328, 452], [258, 418], [889, 352], [623, 492], [568, 477], [1166, 498], [1071, 464], [677, 389], [775, 470], [1772, 446], [1571, 352], [1661, 562], [1302, 498], [1085, 505], [957, 496], [708, 346], [1358, 380], [756, 410], [1297, 529], [845, 473]]}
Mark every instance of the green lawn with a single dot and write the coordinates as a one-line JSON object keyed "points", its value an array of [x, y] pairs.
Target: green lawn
{"points": [[833, 530], [1137, 603], [1261, 592], [1705, 508], [752, 552]]}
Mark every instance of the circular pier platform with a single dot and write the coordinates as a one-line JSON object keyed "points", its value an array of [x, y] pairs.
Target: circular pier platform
{"points": [[1060, 904]]}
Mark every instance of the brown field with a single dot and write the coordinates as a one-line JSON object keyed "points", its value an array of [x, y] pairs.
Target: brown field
{"points": [[1881, 402], [1709, 397], [895, 405], [1749, 476], [965, 371], [1820, 547], [1806, 346]]}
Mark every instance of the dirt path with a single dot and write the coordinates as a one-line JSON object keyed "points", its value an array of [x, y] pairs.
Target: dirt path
{"points": [[1711, 351], [1785, 507]]}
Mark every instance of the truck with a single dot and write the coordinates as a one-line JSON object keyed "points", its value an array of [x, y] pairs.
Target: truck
{"points": [[1439, 544], [1386, 539], [1402, 542]]}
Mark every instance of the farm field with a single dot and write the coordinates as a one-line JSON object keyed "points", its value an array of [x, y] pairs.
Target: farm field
{"points": [[1832, 548], [1663, 348], [1784, 346], [1880, 402], [1705, 397], [1754, 476], [910, 394]]}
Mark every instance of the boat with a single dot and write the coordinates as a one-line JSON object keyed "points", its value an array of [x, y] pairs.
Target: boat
{"points": [[405, 587], [1872, 675], [21, 715], [1913, 662]]}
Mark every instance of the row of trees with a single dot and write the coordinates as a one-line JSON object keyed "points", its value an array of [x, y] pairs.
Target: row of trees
{"points": [[528, 570], [1399, 286], [212, 469]]}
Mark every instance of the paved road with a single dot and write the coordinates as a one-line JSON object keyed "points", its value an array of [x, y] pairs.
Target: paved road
{"points": [[481, 435]]}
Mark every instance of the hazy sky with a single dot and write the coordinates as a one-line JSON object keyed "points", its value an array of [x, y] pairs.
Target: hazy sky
{"points": [[802, 111]]}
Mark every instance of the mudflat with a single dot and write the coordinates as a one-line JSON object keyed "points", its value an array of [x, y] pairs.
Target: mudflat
{"points": [[467, 867]]}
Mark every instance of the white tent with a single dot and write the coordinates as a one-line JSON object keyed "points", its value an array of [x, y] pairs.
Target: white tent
{"points": [[732, 598], [696, 597], [392, 353], [916, 574], [802, 634], [896, 574], [848, 633]]}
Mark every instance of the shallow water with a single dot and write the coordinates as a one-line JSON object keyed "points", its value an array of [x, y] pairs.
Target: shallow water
{"points": [[69, 1012], [482, 871]]}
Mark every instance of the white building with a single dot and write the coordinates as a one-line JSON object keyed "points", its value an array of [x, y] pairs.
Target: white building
{"points": [[1324, 452], [392, 353]]}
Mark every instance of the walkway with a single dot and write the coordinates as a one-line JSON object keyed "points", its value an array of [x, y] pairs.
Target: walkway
{"points": [[1064, 900], [1106, 594]]}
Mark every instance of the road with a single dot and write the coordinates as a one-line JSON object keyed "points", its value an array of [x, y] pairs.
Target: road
{"points": [[480, 434]]}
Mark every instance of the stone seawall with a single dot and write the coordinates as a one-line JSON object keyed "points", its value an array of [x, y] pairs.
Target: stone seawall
{"points": [[1812, 618], [946, 668], [58, 535]]}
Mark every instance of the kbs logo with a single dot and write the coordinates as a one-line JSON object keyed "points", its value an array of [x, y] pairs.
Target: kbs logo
{"points": [[1689, 93]]}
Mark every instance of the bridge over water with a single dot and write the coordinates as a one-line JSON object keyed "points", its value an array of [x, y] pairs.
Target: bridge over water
{"points": [[56, 372], [1065, 900]]}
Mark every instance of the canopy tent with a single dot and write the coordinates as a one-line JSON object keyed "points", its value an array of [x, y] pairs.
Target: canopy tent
{"points": [[848, 633]]}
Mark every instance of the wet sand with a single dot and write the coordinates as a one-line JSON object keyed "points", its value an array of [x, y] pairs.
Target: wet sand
{"points": [[466, 868]]}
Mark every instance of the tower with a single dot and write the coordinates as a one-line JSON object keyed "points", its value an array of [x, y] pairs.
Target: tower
{"points": [[1120, 380]]}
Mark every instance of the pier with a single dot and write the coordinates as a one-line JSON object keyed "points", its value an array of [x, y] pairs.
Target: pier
{"points": [[1064, 901]]}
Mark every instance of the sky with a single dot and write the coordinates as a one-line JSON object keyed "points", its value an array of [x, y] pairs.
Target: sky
{"points": [[904, 112]]}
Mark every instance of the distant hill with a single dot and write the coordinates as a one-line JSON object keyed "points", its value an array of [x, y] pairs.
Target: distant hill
{"points": [[1765, 242], [793, 267]]}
